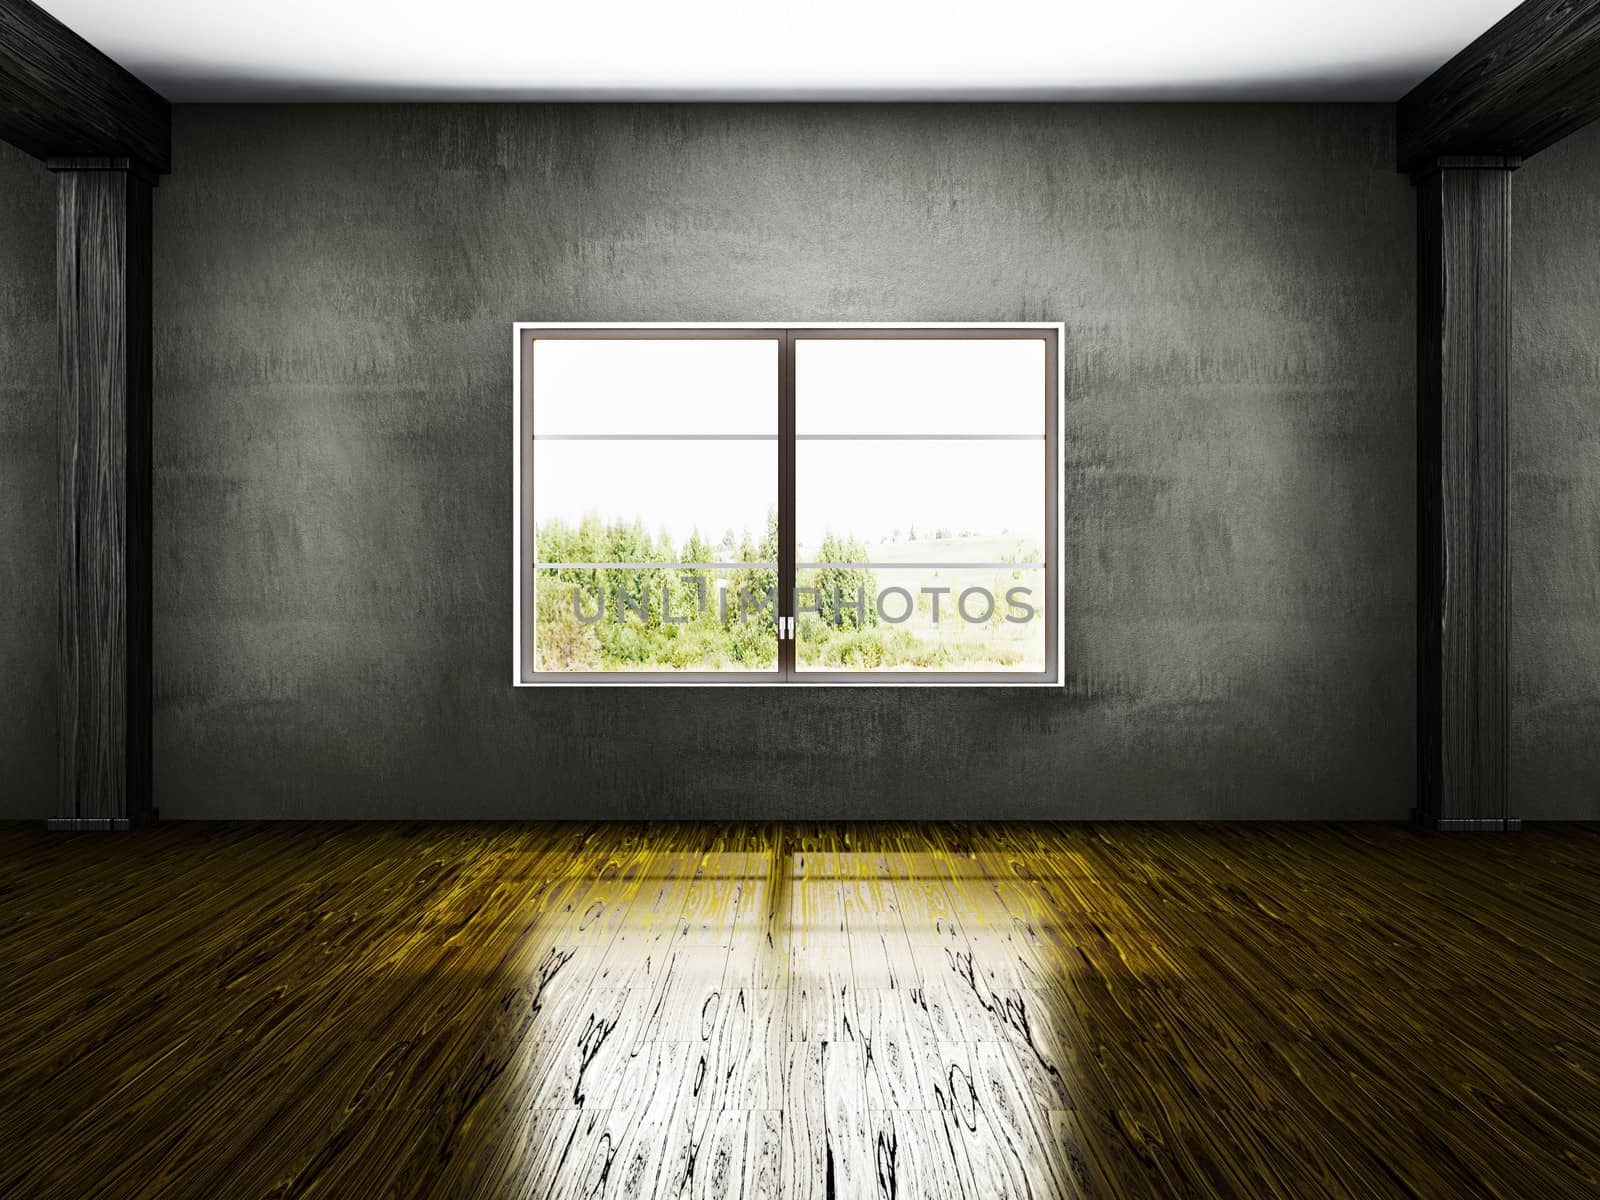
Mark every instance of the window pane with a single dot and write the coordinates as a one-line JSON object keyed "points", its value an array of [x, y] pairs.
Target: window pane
{"points": [[920, 386], [645, 386], [653, 501], [656, 619], [966, 619], [654, 451], [908, 501]]}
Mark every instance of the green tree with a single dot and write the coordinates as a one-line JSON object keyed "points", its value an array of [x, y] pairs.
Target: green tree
{"points": [[840, 588], [694, 587]]}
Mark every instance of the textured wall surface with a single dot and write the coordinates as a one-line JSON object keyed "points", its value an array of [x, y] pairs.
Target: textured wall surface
{"points": [[28, 503], [334, 290], [1555, 498], [333, 587]]}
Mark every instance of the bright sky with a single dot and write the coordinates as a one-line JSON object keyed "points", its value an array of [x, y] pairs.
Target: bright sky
{"points": [[726, 392]]}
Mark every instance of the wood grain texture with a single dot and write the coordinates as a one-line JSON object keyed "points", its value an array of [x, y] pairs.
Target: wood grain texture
{"points": [[28, 533], [1464, 561], [61, 96], [1120, 1011], [103, 241], [1528, 82]]}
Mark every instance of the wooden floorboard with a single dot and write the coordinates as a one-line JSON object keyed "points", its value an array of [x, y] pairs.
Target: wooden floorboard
{"points": [[917, 1011]]}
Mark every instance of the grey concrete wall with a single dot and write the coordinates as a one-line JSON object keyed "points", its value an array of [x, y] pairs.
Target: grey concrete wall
{"points": [[28, 505], [334, 289], [333, 588], [1555, 458]]}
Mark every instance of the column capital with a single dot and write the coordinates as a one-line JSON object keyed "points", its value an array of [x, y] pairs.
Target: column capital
{"points": [[132, 166], [1464, 162]]}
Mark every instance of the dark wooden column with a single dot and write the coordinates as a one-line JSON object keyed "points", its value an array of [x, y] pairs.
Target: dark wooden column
{"points": [[107, 136], [1525, 84], [103, 255], [1464, 561]]}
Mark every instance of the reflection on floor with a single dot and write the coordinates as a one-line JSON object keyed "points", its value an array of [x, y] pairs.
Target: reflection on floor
{"points": [[917, 1011]]}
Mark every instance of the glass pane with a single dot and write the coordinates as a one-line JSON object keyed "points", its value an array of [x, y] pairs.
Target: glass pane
{"points": [[906, 501], [920, 386], [969, 619], [655, 451], [612, 386], [653, 501], [656, 619]]}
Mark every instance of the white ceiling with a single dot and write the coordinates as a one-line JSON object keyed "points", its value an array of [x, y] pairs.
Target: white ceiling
{"points": [[194, 50]]}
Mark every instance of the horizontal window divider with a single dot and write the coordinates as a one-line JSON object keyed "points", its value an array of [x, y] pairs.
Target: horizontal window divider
{"points": [[799, 437], [799, 566], [659, 566], [655, 437], [919, 437], [921, 566]]}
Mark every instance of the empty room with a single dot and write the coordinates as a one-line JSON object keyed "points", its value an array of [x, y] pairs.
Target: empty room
{"points": [[860, 601]]}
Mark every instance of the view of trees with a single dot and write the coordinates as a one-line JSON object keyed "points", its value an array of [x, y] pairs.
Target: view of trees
{"points": [[643, 618]]}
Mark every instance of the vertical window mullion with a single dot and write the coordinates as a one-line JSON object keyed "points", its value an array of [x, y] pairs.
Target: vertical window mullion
{"points": [[786, 502]]}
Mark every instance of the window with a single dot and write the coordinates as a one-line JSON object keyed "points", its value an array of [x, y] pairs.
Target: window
{"points": [[802, 504]]}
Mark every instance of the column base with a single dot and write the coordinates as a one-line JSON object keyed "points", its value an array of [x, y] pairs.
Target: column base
{"points": [[1466, 824], [99, 824]]}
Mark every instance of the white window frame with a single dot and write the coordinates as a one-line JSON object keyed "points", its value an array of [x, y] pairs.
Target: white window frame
{"points": [[521, 519]]}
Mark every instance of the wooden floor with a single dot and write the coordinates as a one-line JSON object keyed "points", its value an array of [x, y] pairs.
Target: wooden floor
{"points": [[918, 1011]]}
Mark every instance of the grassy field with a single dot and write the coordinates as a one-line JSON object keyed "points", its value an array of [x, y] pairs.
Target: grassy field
{"points": [[937, 633], [916, 618]]}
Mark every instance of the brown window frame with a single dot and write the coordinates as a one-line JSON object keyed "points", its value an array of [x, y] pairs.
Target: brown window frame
{"points": [[787, 674]]}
